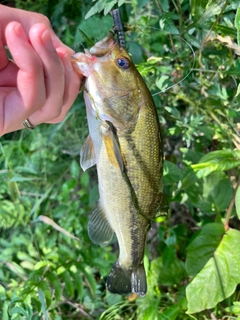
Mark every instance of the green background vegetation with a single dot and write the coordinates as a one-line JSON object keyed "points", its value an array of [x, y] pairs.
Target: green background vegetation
{"points": [[49, 269]]}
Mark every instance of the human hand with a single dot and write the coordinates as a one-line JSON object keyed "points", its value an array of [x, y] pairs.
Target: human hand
{"points": [[40, 84]]}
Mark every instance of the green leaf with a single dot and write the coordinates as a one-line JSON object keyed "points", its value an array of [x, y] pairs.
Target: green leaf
{"points": [[165, 5], [121, 2], [88, 27], [90, 43], [148, 307], [170, 313], [77, 277], [44, 287], [219, 277], [172, 275], [207, 14], [197, 8], [162, 83], [99, 6], [235, 309], [237, 202], [202, 246], [18, 310], [75, 169], [87, 271], [219, 160], [171, 172], [237, 24], [55, 283], [14, 190], [216, 194], [96, 8], [43, 304], [238, 90], [108, 7], [68, 283], [166, 23], [174, 112], [5, 310]]}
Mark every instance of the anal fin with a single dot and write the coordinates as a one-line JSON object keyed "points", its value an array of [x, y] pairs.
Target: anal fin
{"points": [[99, 230]]}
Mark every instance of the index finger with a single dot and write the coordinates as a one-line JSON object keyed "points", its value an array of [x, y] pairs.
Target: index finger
{"points": [[30, 80]]}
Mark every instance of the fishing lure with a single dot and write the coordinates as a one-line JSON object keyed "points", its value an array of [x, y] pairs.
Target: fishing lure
{"points": [[118, 27]]}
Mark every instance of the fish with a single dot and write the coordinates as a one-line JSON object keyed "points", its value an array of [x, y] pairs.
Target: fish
{"points": [[125, 144]]}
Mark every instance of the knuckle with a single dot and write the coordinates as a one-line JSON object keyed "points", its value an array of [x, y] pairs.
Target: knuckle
{"points": [[56, 112], [43, 19]]}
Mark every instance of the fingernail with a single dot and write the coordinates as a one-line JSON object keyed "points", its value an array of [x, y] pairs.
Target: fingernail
{"points": [[65, 57], [47, 41], [67, 62], [19, 32]]}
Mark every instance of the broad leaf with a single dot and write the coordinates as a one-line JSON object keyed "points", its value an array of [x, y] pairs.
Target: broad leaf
{"points": [[219, 277], [216, 194], [219, 160], [202, 246]]}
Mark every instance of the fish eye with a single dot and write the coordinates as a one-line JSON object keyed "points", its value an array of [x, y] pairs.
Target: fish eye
{"points": [[123, 63]]}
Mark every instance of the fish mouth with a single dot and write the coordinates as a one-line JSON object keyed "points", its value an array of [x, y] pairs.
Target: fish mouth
{"points": [[103, 46]]}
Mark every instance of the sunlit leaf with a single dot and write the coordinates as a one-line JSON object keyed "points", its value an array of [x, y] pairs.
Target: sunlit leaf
{"points": [[219, 277], [99, 6], [235, 308], [219, 160]]}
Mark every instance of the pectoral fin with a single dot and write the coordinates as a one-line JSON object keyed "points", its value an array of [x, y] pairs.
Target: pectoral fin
{"points": [[99, 230], [113, 150], [87, 155]]}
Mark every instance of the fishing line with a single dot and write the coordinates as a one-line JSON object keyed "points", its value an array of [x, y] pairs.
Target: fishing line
{"points": [[191, 69]]}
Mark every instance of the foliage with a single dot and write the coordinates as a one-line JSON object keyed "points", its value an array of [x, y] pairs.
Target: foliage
{"points": [[49, 268]]}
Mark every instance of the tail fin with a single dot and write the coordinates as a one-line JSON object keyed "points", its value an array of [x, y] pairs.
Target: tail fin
{"points": [[124, 281]]}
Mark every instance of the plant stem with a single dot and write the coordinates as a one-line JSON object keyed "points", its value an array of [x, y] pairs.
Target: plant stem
{"points": [[213, 25], [84, 313]]}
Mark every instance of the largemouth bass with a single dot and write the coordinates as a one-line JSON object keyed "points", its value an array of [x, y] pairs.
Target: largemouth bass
{"points": [[125, 144]]}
